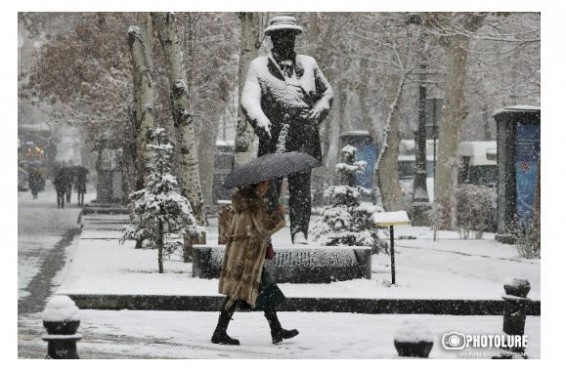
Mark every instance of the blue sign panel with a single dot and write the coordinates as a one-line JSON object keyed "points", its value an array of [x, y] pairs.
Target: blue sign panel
{"points": [[367, 152], [527, 154]]}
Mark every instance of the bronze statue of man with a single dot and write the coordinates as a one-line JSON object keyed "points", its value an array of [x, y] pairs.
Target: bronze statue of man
{"points": [[285, 98]]}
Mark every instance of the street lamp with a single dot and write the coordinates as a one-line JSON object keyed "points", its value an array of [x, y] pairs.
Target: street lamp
{"points": [[420, 202]]}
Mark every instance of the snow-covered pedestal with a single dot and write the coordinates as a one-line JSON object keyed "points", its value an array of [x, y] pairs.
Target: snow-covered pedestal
{"points": [[412, 340], [297, 263], [61, 320]]}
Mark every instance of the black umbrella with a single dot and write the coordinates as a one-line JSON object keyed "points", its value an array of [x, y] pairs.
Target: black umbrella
{"points": [[275, 165]]}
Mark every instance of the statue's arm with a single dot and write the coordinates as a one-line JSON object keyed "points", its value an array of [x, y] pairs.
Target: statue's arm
{"points": [[325, 94], [251, 104]]}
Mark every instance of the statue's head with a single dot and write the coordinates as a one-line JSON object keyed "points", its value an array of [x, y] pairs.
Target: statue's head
{"points": [[283, 30], [283, 24]]}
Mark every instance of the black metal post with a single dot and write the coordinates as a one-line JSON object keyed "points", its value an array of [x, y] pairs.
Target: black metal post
{"points": [[392, 251]]}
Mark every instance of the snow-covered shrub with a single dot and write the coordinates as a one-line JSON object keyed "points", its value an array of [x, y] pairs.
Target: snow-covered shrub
{"points": [[435, 216], [473, 209], [527, 240], [159, 209], [348, 221]]}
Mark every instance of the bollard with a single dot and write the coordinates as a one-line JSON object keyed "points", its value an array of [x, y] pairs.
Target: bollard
{"points": [[515, 311], [413, 340], [61, 321], [225, 213]]}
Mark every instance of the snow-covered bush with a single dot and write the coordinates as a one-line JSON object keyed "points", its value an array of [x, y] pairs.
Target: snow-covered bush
{"points": [[473, 209], [159, 209], [527, 240], [435, 216], [348, 221]]}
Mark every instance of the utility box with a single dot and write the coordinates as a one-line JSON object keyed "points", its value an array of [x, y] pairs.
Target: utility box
{"points": [[518, 157], [108, 171]]}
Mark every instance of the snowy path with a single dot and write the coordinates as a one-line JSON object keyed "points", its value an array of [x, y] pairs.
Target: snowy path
{"points": [[186, 335], [41, 229]]}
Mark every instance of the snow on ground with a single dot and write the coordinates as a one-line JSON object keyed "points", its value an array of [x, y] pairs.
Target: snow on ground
{"points": [[447, 269], [40, 226], [186, 335]]}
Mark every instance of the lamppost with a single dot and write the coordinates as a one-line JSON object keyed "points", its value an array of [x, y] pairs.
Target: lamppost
{"points": [[420, 201]]}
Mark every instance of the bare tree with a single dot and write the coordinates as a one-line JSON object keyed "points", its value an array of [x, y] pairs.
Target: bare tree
{"points": [[390, 56], [143, 98], [166, 25], [251, 29], [455, 110]]}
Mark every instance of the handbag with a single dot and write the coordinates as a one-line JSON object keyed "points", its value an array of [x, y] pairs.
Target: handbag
{"points": [[269, 252]]}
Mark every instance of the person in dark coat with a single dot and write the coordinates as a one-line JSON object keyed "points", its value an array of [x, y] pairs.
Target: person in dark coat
{"points": [[61, 183], [80, 183], [69, 173], [285, 98], [35, 182], [243, 278]]}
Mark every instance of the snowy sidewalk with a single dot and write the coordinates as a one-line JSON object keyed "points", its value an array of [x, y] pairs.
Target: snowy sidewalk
{"points": [[186, 335], [443, 274]]}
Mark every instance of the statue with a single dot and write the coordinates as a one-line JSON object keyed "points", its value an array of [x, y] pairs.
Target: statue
{"points": [[285, 98]]}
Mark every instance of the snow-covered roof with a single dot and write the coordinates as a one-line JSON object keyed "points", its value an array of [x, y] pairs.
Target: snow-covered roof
{"points": [[225, 143], [355, 132], [480, 152], [517, 108], [41, 126]]}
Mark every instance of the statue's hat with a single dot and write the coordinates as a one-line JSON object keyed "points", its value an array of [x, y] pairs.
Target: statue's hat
{"points": [[283, 23]]}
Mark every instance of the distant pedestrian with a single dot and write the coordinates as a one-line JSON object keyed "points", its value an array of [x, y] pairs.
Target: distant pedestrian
{"points": [[69, 174], [35, 182], [80, 183], [243, 278], [61, 184]]}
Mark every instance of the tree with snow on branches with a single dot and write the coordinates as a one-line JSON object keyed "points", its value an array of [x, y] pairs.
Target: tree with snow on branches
{"points": [[348, 220], [159, 210]]}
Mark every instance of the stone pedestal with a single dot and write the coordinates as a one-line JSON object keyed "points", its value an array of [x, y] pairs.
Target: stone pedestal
{"points": [[296, 264], [62, 346]]}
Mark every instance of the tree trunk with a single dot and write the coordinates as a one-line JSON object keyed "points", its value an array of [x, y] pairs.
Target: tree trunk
{"points": [[454, 111], [190, 182], [129, 161], [386, 172], [143, 99], [363, 97], [207, 136], [160, 246], [249, 44]]}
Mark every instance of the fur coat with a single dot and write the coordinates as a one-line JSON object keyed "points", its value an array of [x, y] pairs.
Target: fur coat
{"points": [[248, 234]]}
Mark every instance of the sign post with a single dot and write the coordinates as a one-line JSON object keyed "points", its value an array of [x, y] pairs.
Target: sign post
{"points": [[390, 219]]}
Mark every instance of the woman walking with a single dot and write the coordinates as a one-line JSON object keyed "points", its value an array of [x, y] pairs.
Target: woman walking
{"points": [[243, 278]]}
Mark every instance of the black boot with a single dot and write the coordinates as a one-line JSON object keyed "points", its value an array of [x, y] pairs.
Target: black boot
{"points": [[277, 332], [220, 336]]}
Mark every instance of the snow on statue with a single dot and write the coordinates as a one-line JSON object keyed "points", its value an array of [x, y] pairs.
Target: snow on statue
{"points": [[285, 98], [159, 210]]}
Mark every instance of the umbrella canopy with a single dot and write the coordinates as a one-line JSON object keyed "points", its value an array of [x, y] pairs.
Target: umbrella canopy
{"points": [[274, 165]]}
